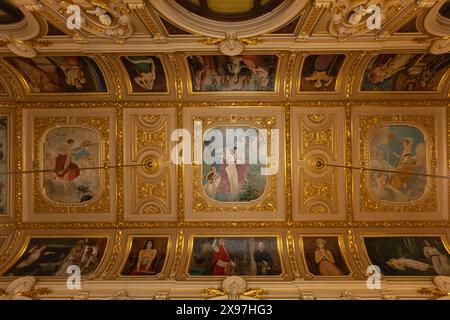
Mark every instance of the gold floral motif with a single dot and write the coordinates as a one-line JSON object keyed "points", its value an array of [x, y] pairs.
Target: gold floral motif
{"points": [[354, 251], [178, 253], [212, 292], [108, 274], [321, 138], [288, 162], [318, 209], [149, 139], [151, 119], [146, 189], [177, 75], [151, 195], [291, 253], [119, 159], [289, 73], [151, 209], [320, 189], [316, 118]]}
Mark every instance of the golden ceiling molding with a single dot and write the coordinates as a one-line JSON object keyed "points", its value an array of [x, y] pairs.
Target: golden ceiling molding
{"points": [[410, 12], [431, 22], [231, 45], [149, 18], [23, 38], [311, 18]]}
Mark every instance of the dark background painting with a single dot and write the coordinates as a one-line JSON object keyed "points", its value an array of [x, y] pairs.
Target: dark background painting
{"points": [[382, 249], [47, 265], [329, 63], [332, 244], [138, 244], [160, 84]]}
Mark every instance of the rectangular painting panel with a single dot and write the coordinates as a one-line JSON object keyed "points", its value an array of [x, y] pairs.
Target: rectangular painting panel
{"points": [[242, 256], [146, 74], [60, 74], [52, 256], [147, 256], [409, 256], [320, 72], [220, 73], [405, 72], [323, 256]]}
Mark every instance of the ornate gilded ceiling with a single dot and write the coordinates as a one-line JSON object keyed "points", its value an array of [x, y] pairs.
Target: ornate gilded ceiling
{"points": [[87, 122]]}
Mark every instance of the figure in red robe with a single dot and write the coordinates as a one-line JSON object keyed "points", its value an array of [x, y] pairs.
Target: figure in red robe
{"points": [[221, 259], [65, 168]]}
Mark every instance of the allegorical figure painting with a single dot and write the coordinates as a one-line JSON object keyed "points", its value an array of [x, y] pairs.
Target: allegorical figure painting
{"points": [[323, 256], [409, 256], [399, 148], [320, 72], [225, 256], [52, 256], [238, 73], [3, 164], [60, 74], [68, 151], [147, 256], [232, 177], [405, 72], [146, 73]]}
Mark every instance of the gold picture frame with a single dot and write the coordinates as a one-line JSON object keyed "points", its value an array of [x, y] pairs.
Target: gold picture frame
{"points": [[430, 205]]}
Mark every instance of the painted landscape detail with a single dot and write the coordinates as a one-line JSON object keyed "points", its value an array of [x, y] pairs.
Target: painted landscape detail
{"points": [[409, 256], [256, 256], [146, 73], [147, 256], [238, 73], [66, 150], [399, 148], [3, 164], [405, 72], [323, 256], [52, 256], [60, 74], [320, 72], [236, 181]]}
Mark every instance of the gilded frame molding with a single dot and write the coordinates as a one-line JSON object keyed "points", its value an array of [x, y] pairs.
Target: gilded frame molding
{"points": [[431, 123], [271, 205], [92, 96], [100, 120]]}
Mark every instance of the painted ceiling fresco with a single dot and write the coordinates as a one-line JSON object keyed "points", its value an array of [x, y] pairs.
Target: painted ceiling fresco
{"points": [[351, 126]]}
